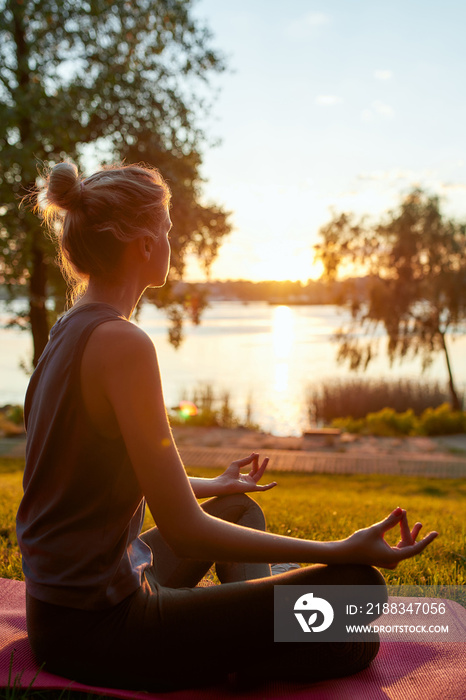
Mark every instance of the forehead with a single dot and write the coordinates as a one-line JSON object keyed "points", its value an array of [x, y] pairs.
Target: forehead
{"points": [[166, 217]]}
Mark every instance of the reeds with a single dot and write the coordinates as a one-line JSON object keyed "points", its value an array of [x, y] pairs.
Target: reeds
{"points": [[357, 397], [214, 409]]}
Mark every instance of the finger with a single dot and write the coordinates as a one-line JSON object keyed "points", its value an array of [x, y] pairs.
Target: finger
{"points": [[415, 531], [266, 487], [394, 518], [240, 463], [255, 464], [405, 531], [417, 548], [261, 470]]}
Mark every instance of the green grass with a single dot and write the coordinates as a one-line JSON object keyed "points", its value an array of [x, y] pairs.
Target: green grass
{"points": [[319, 506], [316, 506], [330, 507]]}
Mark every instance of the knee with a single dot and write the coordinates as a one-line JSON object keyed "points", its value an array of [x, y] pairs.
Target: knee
{"points": [[253, 513], [349, 575], [237, 499], [362, 575], [237, 508], [367, 575], [243, 503], [357, 575]]}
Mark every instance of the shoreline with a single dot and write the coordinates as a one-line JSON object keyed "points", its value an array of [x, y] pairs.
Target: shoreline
{"points": [[448, 447], [451, 448]]}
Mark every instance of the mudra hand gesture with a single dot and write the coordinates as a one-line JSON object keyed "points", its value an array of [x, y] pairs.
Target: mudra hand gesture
{"points": [[368, 546], [233, 481]]}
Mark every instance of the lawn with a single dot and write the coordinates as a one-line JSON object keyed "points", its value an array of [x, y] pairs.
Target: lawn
{"points": [[313, 506], [319, 506]]}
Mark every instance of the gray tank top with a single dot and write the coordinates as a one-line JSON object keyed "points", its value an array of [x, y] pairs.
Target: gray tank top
{"points": [[79, 521]]}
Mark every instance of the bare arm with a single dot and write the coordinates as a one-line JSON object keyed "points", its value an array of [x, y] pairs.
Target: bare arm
{"points": [[131, 382]]}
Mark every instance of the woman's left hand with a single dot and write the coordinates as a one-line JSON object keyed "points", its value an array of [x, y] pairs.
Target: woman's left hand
{"points": [[233, 481], [368, 546]]}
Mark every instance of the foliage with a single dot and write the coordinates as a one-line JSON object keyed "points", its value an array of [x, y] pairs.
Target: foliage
{"points": [[115, 80], [11, 421], [415, 259], [348, 424], [213, 410], [388, 423], [357, 397], [442, 421], [384, 423], [15, 413], [179, 301]]}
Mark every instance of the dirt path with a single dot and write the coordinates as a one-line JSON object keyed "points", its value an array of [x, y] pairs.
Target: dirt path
{"points": [[448, 447], [347, 454]]}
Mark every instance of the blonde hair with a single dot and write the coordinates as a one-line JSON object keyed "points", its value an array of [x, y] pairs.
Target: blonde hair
{"points": [[94, 218]]}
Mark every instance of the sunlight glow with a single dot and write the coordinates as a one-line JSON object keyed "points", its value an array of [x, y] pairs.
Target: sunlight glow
{"points": [[283, 337], [283, 332], [279, 261], [187, 409], [281, 377]]}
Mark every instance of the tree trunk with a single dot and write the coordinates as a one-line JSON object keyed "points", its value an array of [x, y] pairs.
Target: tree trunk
{"points": [[455, 402], [37, 298], [38, 269]]}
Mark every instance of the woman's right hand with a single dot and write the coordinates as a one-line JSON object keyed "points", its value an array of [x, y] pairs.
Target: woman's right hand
{"points": [[368, 546]]}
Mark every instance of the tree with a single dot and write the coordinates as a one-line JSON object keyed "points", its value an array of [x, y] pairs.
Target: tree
{"points": [[128, 77], [415, 262]]}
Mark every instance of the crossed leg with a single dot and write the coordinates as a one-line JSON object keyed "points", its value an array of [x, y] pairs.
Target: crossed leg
{"points": [[241, 611], [174, 572], [170, 635]]}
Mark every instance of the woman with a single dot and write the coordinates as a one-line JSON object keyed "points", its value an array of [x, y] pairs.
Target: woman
{"points": [[106, 605]]}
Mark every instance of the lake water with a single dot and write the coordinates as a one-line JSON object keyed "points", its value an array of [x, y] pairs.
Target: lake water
{"points": [[271, 354]]}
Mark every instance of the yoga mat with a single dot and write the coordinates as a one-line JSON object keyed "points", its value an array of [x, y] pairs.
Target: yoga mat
{"points": [[401, 671]]}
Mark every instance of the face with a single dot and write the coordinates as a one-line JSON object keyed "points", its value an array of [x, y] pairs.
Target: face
{"points": [[162, 252]]}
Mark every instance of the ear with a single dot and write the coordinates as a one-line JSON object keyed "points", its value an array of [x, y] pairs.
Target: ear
{"points": [[146, 244]]}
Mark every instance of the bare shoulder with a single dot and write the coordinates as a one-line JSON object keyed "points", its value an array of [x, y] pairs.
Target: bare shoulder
{"points": [[118, 340], [120, 329], [120, 378]]}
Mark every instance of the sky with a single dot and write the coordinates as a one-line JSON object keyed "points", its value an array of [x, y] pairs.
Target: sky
{"points": [[343, 104]]}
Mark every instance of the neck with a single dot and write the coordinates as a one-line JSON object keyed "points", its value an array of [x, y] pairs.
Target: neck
{"points": [[123, 297]]}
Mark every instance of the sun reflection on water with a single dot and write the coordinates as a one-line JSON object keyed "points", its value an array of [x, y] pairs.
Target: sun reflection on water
{"points": [[283, 338], [282, 332], [281, 377]]}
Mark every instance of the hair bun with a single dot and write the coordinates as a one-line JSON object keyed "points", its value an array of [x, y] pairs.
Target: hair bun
{"points": [[64, 187]]}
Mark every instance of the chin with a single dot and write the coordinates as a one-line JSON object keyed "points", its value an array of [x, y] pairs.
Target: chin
{"points": [[157, 285]]}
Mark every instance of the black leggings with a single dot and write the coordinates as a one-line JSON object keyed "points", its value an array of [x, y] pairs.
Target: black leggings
{"points": [[169, 635]]}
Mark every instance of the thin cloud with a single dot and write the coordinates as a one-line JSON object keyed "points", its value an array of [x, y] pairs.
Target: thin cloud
{"points": [[383, 74], [378, 108], [381, 108], [395, 175], [315, 19], [302, 27], [327, 100]]}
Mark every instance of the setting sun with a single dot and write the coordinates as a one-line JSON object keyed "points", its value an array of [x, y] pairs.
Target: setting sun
{"points": [[278, 261], [282, 262]]}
